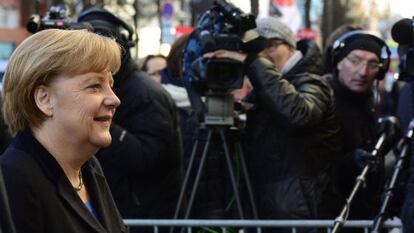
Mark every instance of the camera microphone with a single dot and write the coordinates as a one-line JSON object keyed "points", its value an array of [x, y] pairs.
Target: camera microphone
{"points": [[402, 31], [34, 24], [410, 132], [409, 135], [389, 130], [389, 123]]}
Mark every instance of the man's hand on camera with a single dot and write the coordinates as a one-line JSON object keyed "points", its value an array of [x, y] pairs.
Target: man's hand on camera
{"points": [[226, 54]]}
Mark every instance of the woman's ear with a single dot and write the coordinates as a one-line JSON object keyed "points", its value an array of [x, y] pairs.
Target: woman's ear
{"points": [[42, 97]]}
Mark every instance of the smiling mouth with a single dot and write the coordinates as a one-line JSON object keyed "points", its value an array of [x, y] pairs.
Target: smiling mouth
{"points": [[103, 118]]}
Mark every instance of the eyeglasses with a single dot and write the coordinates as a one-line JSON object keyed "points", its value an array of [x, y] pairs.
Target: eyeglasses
{"points": [[358, 62]]}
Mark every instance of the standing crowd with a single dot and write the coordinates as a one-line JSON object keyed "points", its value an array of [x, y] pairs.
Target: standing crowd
{"points": [[95, 138]]}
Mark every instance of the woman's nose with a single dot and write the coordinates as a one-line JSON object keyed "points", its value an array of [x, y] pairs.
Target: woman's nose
{"points": [[112, 99]]}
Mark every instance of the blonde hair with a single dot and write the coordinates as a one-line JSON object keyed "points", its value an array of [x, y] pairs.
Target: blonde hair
{"points": [[43, 56]]}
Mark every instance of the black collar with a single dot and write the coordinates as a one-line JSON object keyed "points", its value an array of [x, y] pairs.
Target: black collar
{"points": [[25, 141]]}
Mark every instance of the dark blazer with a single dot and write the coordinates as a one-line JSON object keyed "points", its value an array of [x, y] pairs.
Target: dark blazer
{"points": [[6, 222], [43, 200]]}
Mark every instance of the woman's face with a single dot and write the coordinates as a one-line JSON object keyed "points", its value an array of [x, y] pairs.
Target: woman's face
{"points": [[83, 107]]}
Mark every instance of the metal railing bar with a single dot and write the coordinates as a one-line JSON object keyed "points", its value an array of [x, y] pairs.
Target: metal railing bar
{"points": [[254, 223]]}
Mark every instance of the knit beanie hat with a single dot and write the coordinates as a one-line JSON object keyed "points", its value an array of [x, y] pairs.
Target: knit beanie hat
{"points": [[364, 42], [272, 28]]}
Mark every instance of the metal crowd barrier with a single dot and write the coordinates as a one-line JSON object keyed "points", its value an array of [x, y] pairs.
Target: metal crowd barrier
{"points": [[393, 226]]}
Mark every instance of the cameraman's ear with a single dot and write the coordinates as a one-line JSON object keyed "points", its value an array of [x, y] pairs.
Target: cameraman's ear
{"points": [[340, 65], [42, 98]]}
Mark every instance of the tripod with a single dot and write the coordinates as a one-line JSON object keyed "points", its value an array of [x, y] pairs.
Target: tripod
{"points": [[217, 122], [405, 146]]}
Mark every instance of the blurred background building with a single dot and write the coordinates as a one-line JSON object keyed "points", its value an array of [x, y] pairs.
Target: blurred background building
{"points": [[159, 22]]}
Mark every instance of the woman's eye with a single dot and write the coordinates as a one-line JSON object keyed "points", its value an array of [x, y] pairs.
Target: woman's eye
{"points": [[95, 86]]}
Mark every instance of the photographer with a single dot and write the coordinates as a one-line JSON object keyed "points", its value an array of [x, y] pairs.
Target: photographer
{"points": [[143, 165], [291, 136]]}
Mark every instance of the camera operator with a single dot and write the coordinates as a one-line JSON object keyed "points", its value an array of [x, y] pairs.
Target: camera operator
{"points": [[143, 165], [291, 135], [358, 59]]}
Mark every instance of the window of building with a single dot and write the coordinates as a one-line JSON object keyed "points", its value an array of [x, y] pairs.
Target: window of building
{"points": [[9, 17]]}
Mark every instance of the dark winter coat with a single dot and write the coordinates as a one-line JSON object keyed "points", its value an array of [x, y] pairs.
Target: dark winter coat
{"points": [[292, 137], [404, 194], [355, 113], [407, 212], [143, 165], [7, 224], [42, 200]]}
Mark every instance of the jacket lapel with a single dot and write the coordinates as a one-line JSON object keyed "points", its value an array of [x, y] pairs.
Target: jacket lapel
{"points": [[72, 199], [94, 180]]}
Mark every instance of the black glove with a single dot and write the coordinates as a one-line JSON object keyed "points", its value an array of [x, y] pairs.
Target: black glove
{"points": [[362, 158]]}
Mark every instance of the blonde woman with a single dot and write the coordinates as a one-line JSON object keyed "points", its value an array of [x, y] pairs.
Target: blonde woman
{"points": [[59, 103]]}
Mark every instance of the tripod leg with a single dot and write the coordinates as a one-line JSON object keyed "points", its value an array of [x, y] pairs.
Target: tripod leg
{"points": [[247, 180], [230, 167], [185, 181], [198, 176], [187, 177]]}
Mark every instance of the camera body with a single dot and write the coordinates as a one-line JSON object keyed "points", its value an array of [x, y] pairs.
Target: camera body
{"points": [[56, 17], [222, 27], [209, 82]]}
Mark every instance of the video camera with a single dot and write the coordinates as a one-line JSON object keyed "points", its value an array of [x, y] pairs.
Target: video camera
{"points": [[56, 17], [403, 33], [222, 27]]}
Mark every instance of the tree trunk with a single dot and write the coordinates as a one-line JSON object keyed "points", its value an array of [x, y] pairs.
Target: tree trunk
{"points": [[254, 5], [335, 14], [136, 25], [308, 4], [159, 17]]}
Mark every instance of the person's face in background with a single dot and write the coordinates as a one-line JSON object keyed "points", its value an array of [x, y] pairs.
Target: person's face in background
{"points": [[277, 52], [358, 70], [82, 108], [155, 66]]}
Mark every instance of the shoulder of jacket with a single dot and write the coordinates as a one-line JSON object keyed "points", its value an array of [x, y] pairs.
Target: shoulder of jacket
{"points": [[305, 80], [309, 77]]}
